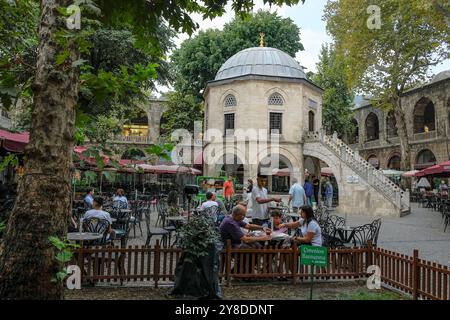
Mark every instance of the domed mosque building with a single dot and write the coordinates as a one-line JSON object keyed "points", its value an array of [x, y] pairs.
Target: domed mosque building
{"points": [[263, 116]]}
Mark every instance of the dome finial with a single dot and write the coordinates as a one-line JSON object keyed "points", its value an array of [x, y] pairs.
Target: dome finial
{"points": [[261, 39]]}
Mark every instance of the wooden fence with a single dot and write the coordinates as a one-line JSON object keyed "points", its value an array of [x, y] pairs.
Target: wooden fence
{"points": [[419, 278]]}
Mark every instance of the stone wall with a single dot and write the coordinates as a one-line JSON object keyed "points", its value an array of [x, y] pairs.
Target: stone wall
{"points": [[435, 140]]}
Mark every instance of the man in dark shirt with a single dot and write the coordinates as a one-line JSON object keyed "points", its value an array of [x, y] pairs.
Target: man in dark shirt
{"points": [[309, 191], [316, 185], [230, 229]]}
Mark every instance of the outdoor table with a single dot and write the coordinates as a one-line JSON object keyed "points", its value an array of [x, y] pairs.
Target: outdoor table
{"points": [[83, 236], [346, 233]]}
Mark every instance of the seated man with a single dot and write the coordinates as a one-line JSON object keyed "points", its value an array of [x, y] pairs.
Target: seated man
{"points": [[230, 228], [210, 201], [98, 213], [120, 198]]}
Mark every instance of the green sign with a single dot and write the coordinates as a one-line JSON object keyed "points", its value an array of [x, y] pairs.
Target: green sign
{"points": [[316, 256]]}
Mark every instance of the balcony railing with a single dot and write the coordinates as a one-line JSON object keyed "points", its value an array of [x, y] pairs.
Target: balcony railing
{"points": [[132, 139], [425, 135]]}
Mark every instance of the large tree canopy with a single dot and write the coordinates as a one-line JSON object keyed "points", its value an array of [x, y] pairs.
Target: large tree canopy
{"points": [[198, 59], [337, 97], [43, 204], [387, 53]]}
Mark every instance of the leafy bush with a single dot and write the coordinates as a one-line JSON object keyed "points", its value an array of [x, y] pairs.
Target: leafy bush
{"points": [[197, 236], [64, 255]]}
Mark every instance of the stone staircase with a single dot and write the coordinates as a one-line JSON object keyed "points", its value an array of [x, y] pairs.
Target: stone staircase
{"points": [[373, 177]]}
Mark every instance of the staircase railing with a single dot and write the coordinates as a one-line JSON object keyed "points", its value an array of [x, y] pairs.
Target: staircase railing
{"points": [[364, 169]]}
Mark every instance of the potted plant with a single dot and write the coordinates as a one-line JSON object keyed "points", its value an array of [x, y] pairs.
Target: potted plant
{"points": [[197, 271]]}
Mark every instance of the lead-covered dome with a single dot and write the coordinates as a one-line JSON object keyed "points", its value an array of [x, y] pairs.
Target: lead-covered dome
{"points": [[262, 61]]}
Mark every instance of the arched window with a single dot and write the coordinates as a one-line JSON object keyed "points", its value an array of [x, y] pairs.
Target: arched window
{"points": [[425, 158], [372, 127], [373, 160], [391, 125], [230, 101], [394, 162], [276, 99], [424, 116], [311, 121]]}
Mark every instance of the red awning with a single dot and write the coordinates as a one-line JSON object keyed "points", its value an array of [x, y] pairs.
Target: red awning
{"points": [[14, 142], [442, 168]]}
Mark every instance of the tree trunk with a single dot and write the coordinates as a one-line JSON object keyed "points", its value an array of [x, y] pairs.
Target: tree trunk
{"points": [[402, 130], [27, 263]]}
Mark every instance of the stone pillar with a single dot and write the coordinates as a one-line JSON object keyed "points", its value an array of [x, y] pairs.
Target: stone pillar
{"points": [[301, 161], [154, 111]]}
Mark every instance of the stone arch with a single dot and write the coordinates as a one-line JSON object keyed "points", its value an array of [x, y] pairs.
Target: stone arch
{"points": [[284, 153], [425, 158], [279, 181], [393, 161], [373, 160], [391, 125], [372, 127], [424, 116], [316, 150]]}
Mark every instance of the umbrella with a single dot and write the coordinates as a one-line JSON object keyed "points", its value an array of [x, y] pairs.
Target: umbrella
{"points": [[391, 173], [441, 169], [424, 183], [410, 174]]}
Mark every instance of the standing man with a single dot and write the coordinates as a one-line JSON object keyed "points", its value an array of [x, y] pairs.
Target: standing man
{"points": [[309, 191], [260, 212], [228, 188], [316, 186], [297, 195], [328, 194]]}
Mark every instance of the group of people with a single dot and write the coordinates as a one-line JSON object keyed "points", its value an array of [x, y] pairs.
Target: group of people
{"points": [[232, 226], [94, 209]]}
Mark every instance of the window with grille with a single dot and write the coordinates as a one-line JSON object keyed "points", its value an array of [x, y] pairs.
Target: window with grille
{"points": [[230, 101], [229, 122], [276, 99], [275, 122]]}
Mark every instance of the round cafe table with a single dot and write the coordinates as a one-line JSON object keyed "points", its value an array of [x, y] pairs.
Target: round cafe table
{"points": [[83, 236]]}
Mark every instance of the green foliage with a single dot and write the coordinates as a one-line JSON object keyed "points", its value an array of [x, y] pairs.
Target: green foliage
{"points": [[64, 254], [181, 112], [9, 160], [160, 151], [386, 62], [197, 236], [198, 59], [337, 97], [18, 38], [2, 226]]}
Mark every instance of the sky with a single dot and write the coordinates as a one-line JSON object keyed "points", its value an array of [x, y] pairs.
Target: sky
{"points": [[307, 16]]}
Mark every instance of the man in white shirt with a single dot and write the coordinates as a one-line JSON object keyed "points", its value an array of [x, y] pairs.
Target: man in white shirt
{"points": [[260, 200], [210, 201], [210, 204], [98, 213]]}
